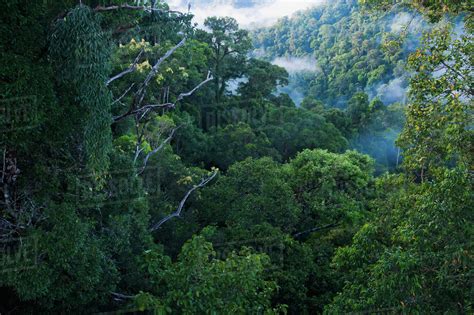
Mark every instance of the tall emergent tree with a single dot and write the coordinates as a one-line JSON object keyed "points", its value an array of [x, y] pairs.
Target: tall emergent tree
{"points": [[229, 45]]}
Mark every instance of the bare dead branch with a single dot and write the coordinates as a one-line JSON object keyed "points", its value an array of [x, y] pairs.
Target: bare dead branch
{"points": [[133, 8], [157, 149], [130, 69], [319, 228], [140, 95], [183, 95], [121, 297], [138, 151], [178, 211], [156, 66], [123, 94], [145, 109]]}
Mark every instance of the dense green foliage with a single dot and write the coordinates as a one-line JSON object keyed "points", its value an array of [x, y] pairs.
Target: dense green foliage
{"points": [[352, 52], [134, 181], [345, 44]]}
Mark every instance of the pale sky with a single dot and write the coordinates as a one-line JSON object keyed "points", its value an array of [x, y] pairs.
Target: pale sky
{"points": [[264, 13]]}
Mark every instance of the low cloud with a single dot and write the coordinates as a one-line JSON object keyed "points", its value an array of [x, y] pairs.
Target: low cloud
{"points": [[249, 13], [258, 53], [295, 64], [459, 30], [233, 85], [394, 91], [295, 67], [405, 20], [293, 92]]}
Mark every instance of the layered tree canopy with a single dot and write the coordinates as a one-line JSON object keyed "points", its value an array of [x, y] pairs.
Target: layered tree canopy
{"points": [[148, 165]]}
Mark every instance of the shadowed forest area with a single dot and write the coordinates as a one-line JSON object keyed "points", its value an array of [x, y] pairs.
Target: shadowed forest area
{"points": [[319, 165]]}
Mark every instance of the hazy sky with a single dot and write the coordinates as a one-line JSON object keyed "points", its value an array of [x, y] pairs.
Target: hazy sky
{"points": [[249, 13]]}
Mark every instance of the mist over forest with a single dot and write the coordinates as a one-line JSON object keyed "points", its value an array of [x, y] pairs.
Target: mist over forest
{"points": [[236, 157]]}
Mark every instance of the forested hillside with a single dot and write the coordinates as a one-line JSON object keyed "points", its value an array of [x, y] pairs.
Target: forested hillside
{"points": [[148, 165], [353, 51]]}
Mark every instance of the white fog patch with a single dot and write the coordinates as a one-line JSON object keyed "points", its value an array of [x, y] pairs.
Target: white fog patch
{"points": [[294, 64], [249, 14], [233, 85], [393, 91], [292, 91], [459, 30], [258, 53], [405, 20]]}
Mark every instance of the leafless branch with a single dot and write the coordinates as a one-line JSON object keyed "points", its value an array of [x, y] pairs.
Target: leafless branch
{"points": [[123, 94], [145, 109], [121, 297], [133, 8], [140, 95], [319, 228], [183, 95], [130, 69], [132, 111], [156, 150], [137, 153], [156, 66], [178, 211]]}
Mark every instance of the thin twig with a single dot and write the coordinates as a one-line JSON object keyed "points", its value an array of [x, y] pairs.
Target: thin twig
{"points": [[183, 95], [133, 8], [156, 150], [319, 228], [122, 296], [130, 69], [124, 93], [143, 110], [177, 213], [156, 66], [140, 95]]}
